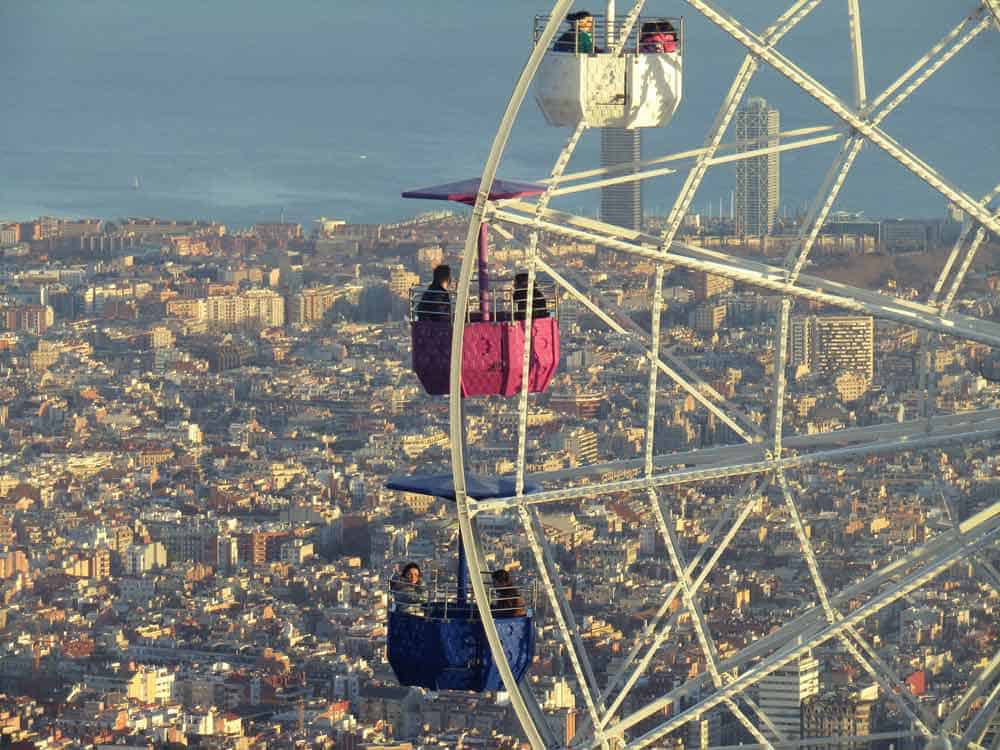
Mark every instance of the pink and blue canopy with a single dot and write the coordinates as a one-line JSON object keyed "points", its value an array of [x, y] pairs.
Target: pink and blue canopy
{"points": [[464, 191]]}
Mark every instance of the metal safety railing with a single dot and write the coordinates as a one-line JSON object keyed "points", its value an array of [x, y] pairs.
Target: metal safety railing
{"points": [[440, 598], [649, 35], [505, 303]]}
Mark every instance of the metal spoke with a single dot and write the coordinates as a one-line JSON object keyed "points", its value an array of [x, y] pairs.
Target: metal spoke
{"points": [[522, 412], [789, 653], [857, 56], [834, 616], [563, 614], [455, 411], [785, 23], [809, 288], [664, 522], [688, 476], [660, 634], [938, 55], [966, 260], [632, 338], [759, 47], [711, 162], [808, 624], [980, 723], [976, 688], [612, 169]]}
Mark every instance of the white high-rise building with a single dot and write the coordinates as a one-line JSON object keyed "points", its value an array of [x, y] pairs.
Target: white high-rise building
{"points": [[833, 344], [758, 179], [621, 204], [800, 340], [781, 693]]}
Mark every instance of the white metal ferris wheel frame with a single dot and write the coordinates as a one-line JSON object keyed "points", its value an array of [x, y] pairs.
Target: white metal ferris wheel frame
{"points": [[764, 456]]}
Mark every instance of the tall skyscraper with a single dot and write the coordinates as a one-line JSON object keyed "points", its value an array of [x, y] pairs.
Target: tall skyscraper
{"points": [[621, 204], [781, 693], [758, 187]]}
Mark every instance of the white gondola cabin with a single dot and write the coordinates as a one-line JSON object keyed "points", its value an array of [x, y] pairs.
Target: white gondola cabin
{"points": [[639, 88]]}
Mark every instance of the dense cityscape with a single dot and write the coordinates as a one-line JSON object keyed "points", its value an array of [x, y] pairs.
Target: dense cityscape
{"points": [[734, 486], [197, 425]]}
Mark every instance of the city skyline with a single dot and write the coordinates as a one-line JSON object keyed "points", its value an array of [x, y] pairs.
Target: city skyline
{"points": [[537, 473]]}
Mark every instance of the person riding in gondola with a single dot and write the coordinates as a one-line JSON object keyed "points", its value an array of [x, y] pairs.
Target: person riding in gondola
{"points": [[508, 602], [658, 37], [408, 590], [435, 302], [580, 37], [539, 306]]}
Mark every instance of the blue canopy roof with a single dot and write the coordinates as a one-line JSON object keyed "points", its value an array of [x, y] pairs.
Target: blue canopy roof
{"points": [[477, 486]]}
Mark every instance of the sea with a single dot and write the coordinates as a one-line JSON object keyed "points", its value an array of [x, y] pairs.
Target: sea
{"points": [[244, 111]]}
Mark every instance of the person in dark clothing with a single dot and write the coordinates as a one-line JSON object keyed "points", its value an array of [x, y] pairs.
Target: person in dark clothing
{"points": [[435, 302], [580, 37], [408, 590], [508, 601], [539, 306]]}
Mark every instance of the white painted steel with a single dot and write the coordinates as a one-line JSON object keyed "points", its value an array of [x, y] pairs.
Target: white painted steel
{"points": [[713, 162], [857, 56], [723, 471], [680, 155], [771, 277], [628, 329], [606, 90], [455, 411]]}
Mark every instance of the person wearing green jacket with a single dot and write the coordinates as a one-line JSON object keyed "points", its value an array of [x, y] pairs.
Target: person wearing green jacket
{"points": [[580, 38]]}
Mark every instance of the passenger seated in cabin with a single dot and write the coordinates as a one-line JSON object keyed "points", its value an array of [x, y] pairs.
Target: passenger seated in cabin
{"points": [[508, 601], [539, 306], [435, 302], [408, 590], [658, 36], [580, 37]]}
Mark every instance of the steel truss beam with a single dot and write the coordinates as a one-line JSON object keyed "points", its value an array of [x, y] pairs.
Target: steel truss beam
{"points": [[633, 338], [785, 23], [980, 723], [742, 453], [724, 471], [565, 621], [522, 419], [664, 522], [714, 161], [659, 634], [977, 532], [994, 8], [614, 169], [937, 56], [855, 741], [456, 417], [810, 622], [770, 277], [976, 688], [758, 47], [850, 637], [857, 57], [920, 72]]}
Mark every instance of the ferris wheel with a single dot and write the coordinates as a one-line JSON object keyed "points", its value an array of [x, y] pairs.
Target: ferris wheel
{"points": [[616, 82]]}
